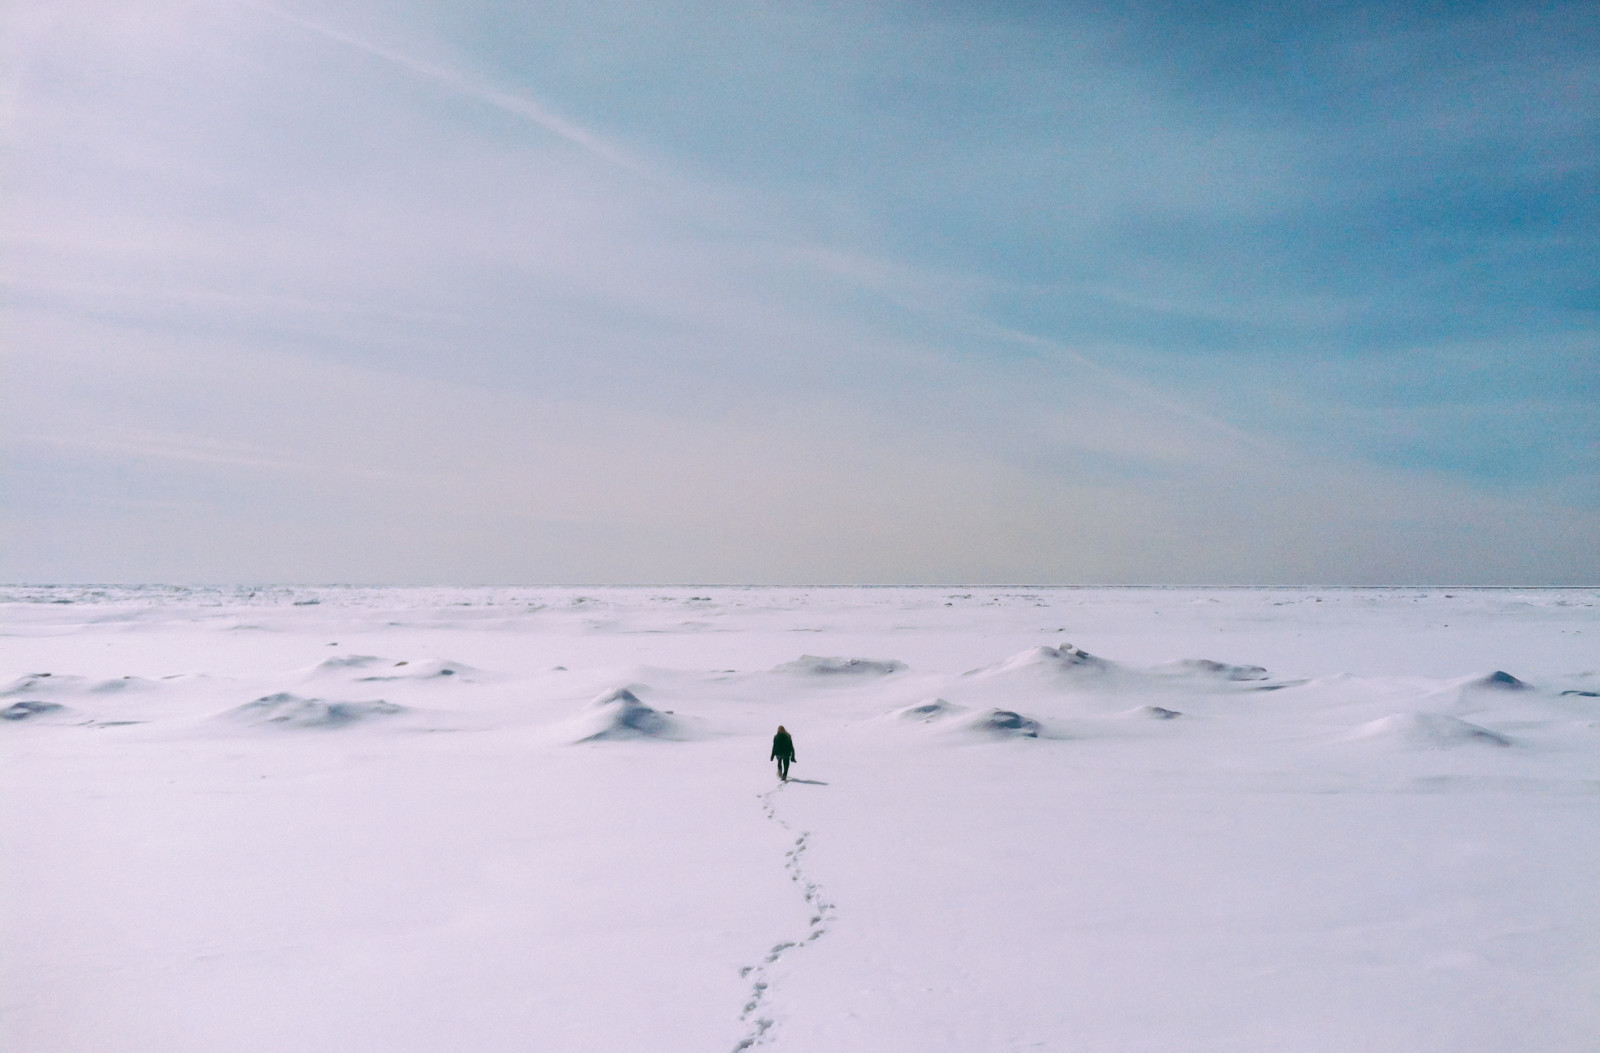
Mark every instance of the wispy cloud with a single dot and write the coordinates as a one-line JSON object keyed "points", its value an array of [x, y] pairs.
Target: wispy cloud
{"points": [[452, 80], [807, 292]]}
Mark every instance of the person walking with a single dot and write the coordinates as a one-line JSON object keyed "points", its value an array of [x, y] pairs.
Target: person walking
{"points": [[782, 752]]}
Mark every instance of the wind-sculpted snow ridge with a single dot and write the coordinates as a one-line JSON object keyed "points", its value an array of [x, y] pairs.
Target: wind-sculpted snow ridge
{"points": [[815, 665], [291, 711], [759, 1024], [1428, 731], [620, 714]]}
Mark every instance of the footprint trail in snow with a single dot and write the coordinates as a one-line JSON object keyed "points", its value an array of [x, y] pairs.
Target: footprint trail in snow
{"points": [[758, 1023]]}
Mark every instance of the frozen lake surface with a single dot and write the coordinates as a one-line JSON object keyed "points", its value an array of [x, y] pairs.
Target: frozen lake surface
{"points": [[497, 819]]}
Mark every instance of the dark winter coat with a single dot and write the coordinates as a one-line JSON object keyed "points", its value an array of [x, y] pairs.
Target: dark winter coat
{"points": [[782, 746]]}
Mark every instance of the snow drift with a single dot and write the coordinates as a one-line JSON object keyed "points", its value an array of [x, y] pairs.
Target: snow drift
{"points": [[120, 684], [1428, 731], [30, 708], [952, 719], [40, 683], [1003, 723], [1048, 660], [341, 663], [815, 665], [927, 712], [621, 715], [288, 710], [425, 669], [1499, 680], [1204, 667], [367, 668]]}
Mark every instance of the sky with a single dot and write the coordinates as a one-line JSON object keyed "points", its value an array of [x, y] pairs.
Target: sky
{"points": [[419, 291]]}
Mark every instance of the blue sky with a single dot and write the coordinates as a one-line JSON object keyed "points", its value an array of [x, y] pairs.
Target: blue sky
{"points": [[357, 291]]}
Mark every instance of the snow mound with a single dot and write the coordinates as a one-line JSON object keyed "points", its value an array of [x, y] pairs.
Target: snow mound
{"points": [[343, 662], [287, 710], [813, 665], [367, 668], [1216, 670], [60, 684], [1154, 713], [1499, 680], [427, 669], [30, 708], [926, 712], [1003, 723], [37, 683], [126, 683], [1065, 658], [620, 715], [1428, 731]]}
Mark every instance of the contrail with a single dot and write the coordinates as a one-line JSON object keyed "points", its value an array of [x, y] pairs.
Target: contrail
{"points": [[579, 136], [1129, 386], [527, 109]]}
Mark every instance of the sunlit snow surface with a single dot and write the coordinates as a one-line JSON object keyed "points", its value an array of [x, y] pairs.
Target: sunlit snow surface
{"points": [[544, 819]]}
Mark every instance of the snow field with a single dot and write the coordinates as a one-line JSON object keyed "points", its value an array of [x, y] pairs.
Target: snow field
{"points": [[1216, 819]]}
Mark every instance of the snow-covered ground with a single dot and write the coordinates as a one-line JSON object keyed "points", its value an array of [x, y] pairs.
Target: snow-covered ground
{"points": [[392, 820]]}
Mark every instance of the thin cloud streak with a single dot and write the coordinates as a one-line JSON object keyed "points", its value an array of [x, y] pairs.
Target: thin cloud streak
{"points": [[133, 445], [517, 106]]}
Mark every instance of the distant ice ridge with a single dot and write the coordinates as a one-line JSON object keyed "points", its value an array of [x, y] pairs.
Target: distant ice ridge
{"points": [[288, 710]]}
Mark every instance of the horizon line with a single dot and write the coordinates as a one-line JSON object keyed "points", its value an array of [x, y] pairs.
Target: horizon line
{"points": [[747, 585]]}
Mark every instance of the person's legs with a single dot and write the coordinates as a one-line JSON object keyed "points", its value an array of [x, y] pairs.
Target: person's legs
{"points": [[783, 768]]}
